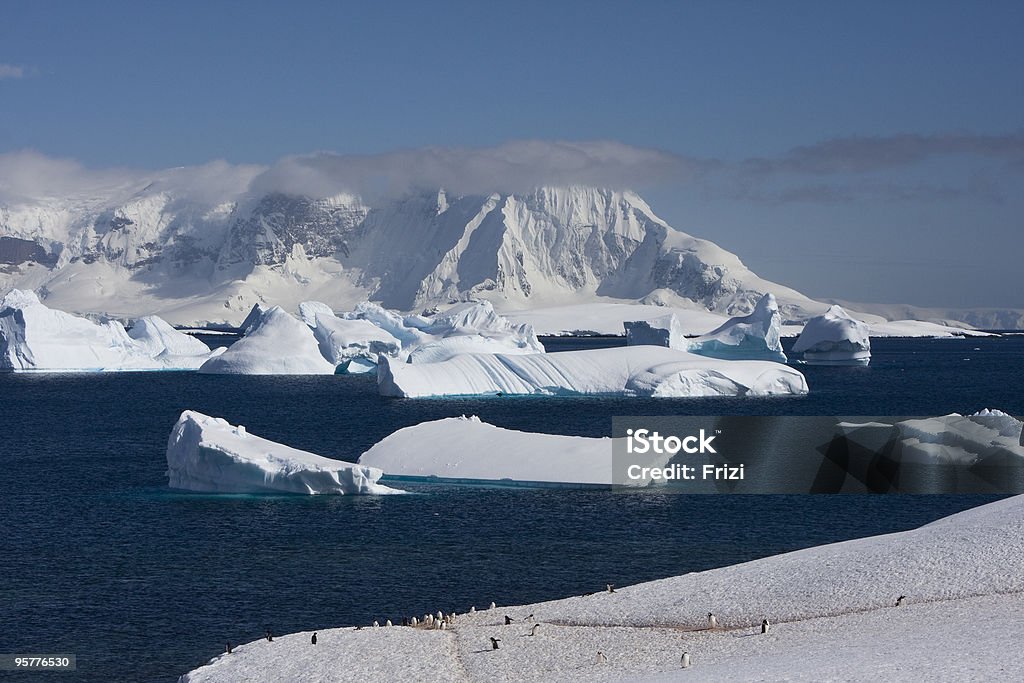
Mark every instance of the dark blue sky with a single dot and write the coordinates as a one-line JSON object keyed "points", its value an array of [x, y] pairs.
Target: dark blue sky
{"points": [[917, 202]]}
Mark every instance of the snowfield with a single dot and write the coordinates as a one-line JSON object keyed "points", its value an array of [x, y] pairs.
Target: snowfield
{"points": [[627, 371], [832, 610], [208, 454]]}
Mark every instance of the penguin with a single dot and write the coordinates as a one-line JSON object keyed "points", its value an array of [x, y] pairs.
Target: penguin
{"points": [[428, 619], [533, 631], [528, 617], [388, 623], [313, 639], [227, 648], [270, 636], [442, 625], [376, 624], [494, 643], [611, 587], [440, 615], [601, 659], [405, 621], [414, 621], [899, 600], [472, 610], [492, 605], [712, 621], [765, 625], [508, 620], [685, 660]]}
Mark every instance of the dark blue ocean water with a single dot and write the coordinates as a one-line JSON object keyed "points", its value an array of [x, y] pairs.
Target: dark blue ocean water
{"points": [[100, 559]]}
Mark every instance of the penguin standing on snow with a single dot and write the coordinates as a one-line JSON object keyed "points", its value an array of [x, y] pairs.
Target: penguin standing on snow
{"points": [[492, 605], [508, 620], [712, 621], [611, 587], [685, 660], [313, 639], [601, 659], [533, 631], [227, 647], [270, 636], [494, 643], [899, 600], [765, 625]]}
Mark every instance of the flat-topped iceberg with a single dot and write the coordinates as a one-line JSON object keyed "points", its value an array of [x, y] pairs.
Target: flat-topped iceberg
{"points": [[34, 337], [834, 338], [624, 371], [749, 337], [208, 454], [277, 344], [465, 449]]}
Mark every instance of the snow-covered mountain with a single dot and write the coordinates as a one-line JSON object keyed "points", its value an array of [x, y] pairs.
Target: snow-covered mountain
{"points": [[126, 251]]}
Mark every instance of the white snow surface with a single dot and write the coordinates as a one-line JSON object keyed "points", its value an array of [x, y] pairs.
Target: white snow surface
{"points": [[277, 344], [628, 371], [209, 454], [34, 337], [467, 449], [834, 338], [832, 612], [749, 337]]}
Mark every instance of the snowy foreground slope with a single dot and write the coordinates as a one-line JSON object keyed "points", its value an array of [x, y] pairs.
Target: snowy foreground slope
{"points": [[629, 371], [208, 454], [466, 449], [832, 612]]}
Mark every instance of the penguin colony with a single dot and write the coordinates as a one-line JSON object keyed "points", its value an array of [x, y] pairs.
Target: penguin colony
{"points": [[442, 621]]}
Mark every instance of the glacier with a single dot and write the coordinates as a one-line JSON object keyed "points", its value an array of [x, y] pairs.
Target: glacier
{"points": [[34, 337], [834, 338], [624, 371], [277, 344], [210, 455], [466, 450]]}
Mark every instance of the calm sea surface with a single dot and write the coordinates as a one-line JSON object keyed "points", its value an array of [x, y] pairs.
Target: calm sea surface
{"points": [[99, 558]]}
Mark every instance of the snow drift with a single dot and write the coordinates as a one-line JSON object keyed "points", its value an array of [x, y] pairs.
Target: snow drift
{"points": [[208, 454]]}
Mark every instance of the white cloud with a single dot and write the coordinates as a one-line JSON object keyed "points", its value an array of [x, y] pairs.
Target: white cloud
{"points": [[510, 167], [12, 71]]}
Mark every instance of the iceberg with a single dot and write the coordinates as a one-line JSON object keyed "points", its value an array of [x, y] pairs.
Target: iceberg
{"points": [[624, 371], [834, 338], [309, 310], [342, 341], [175, 349], [665, 331], [987, 437], [461, 449], [209, 454], [253, 319], [35, 337], [749, 337], [278, 344]]}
